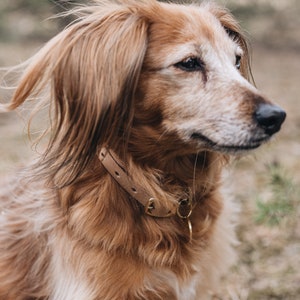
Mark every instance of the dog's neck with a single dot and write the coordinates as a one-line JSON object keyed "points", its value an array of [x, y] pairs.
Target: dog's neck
{"points": [[153, 207]]}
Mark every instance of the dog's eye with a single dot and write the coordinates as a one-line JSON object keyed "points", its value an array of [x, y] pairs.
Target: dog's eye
{"points": [[190, 64], [238, 61]]}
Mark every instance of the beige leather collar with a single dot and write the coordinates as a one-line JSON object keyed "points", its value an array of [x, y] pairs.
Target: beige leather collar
{"points": [[152, 206]]}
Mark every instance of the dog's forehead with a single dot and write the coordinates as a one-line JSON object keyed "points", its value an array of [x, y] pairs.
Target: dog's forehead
{"points": [[185, 24], [183, 31]]}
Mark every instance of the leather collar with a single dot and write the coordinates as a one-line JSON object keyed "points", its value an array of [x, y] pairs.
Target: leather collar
{"points": [[153, 207]]}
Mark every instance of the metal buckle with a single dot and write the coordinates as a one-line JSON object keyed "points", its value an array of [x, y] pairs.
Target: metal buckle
{"points": [[184, 209], [149, 206]]}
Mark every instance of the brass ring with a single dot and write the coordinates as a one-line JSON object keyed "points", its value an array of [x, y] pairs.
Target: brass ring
{"points": [[189, 204]]}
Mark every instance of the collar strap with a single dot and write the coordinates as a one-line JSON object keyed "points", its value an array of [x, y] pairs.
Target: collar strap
{"points": [[152, 206]]}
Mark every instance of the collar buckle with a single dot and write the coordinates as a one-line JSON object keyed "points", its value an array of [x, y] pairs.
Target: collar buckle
{"points": [[184, 208]]}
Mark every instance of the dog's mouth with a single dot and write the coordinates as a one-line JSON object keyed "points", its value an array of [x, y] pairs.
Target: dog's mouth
{"points": [[247, 146]]}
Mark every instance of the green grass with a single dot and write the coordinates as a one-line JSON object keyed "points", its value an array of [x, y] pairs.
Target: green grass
{"points": [[281, 206]]}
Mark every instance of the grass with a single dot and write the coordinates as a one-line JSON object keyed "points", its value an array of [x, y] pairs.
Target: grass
{"points": [[268, 231], [281, 205]]}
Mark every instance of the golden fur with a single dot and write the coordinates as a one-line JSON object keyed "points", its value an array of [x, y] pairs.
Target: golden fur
{"points": [[118, 77]]}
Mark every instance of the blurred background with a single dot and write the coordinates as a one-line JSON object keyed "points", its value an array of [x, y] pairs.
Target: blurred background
{"points": [[264, 184]]}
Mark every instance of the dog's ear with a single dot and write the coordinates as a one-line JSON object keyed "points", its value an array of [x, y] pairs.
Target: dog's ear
{"points": [[235, 32], [92, 69]]}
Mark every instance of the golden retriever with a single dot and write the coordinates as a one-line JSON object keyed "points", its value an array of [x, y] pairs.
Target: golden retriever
{"points": [[147, 102]]}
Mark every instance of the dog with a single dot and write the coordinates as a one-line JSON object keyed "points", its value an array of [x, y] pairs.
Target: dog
{"points": [[148, 101]]}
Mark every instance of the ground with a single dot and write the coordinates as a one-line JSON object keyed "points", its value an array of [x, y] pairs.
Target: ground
{"points": [[264, 184]]}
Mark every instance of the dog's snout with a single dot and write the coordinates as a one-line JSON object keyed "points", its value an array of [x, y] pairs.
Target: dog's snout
{"points": [[269, 117]]}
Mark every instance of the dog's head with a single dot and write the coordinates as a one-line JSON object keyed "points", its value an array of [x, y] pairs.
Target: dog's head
{"points": [[154, 76], [195, 76]]}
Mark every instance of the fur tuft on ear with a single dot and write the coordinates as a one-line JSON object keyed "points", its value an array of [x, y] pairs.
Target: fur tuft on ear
{"points": [[92, 69]]}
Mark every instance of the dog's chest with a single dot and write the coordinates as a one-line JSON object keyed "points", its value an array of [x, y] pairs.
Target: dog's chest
{"points": [[188, 291], [184, 290]]}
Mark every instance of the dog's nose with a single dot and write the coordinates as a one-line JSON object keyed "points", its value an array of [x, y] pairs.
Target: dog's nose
{"points": [[269, 117]]}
